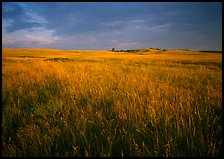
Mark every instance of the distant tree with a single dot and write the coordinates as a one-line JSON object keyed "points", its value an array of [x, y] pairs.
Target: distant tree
{"points": [[113, 49]]}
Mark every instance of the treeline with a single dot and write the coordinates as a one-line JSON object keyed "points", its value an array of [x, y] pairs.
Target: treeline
{"points": [[136, 50], [129, 50]]}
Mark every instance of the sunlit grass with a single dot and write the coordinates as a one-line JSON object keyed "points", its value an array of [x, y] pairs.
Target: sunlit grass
{"points": [[103, 103]]}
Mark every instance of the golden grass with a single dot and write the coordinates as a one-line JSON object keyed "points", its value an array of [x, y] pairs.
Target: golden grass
{"points": [[103, 103]]}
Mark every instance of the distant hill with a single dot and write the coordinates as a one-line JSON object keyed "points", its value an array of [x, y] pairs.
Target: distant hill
{"points": [[211, 51]]}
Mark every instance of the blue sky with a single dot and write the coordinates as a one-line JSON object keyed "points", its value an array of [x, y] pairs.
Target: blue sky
{"points": [[106, 25]]}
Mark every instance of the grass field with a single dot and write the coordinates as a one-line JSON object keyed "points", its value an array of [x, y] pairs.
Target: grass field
{"points": [[104, 103]]}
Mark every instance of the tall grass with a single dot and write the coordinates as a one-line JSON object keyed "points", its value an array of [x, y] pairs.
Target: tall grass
{"points": [[101, 103]]}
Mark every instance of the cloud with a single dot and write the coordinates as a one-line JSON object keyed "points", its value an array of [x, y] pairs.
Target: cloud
{"points": [[123, 24], [37, 36], [7, 41], [38, 39], [35, 18]]}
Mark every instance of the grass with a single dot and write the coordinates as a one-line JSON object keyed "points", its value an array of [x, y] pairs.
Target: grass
{"points": [[103, 103]]}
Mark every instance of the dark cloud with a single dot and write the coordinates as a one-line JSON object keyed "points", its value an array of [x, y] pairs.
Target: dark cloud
{"points": [[21, 25], [15, 17]]}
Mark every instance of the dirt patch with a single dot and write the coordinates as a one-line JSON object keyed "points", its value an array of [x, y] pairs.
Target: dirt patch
{"points": [[31, 56], [60, 59]]}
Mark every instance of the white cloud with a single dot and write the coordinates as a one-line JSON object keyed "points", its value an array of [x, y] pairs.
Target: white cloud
{"points": [[36, 38], [128, 43], [7, 41], [34, 17], [6, 23], [74, 19], [37, 35], [162, 27], [125, 23]]}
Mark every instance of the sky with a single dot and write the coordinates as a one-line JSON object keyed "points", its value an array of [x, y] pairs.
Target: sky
{"points": [[107, 25]]}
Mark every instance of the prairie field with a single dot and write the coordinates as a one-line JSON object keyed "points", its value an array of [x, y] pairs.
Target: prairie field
{"points": [[149, 103]]}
